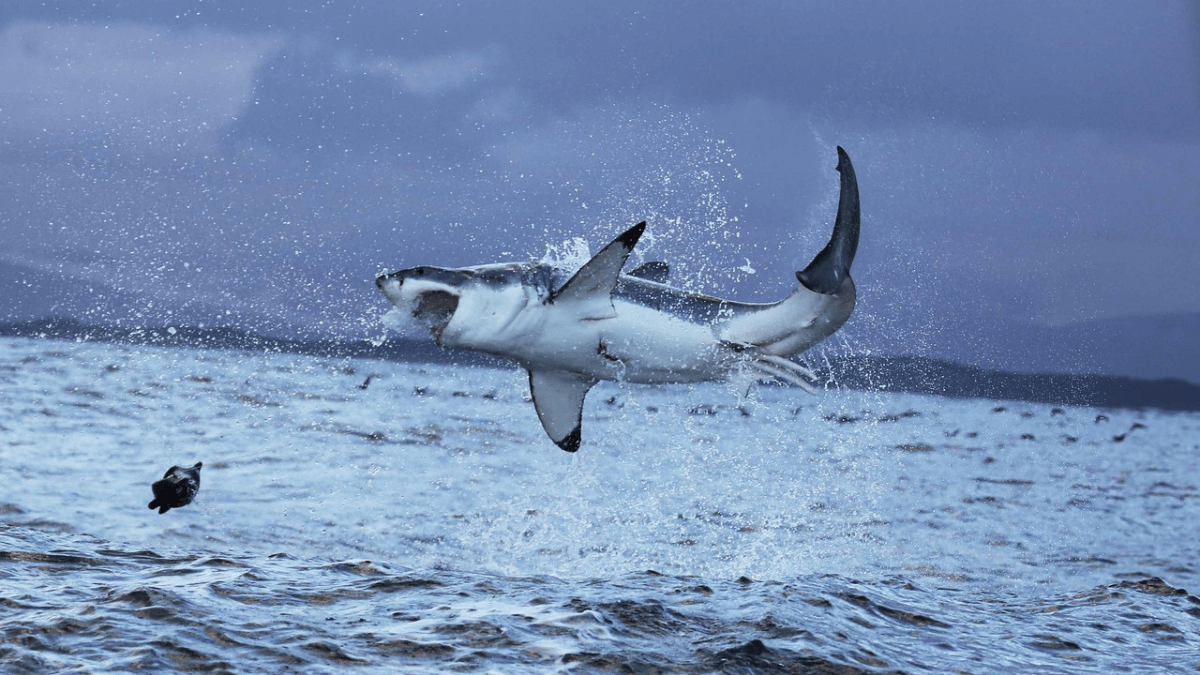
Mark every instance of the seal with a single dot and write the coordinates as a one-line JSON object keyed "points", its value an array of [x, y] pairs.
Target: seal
{"points": [[177, 488]]}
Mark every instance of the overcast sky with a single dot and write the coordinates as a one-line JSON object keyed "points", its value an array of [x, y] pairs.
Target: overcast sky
{"points": [[260, 162]]}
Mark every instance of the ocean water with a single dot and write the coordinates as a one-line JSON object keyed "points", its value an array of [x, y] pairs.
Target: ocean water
{"points": [[424, 523]]}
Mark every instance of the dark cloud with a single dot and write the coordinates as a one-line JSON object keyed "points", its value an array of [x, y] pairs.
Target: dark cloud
{"points": [[1019, 161], [1106, 65]]}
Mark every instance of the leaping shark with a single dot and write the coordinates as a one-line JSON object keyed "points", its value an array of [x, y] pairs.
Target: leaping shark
{"points": [[601, 324]]}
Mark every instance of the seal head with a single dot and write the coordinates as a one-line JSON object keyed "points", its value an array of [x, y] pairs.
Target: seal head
{"points": [[177, 488]]}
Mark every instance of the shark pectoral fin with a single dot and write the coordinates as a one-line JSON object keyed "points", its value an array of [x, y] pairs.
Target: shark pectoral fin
{"points": [[657, 271], [595, 281], [558, 399]]}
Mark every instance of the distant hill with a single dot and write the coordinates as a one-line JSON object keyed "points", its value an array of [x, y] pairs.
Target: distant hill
{"points": [[1154, 346], [868, 373], [1157, 346], [945, 378], [418, 351]]}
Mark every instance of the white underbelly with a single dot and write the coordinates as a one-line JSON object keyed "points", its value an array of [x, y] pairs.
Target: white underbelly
{"points": [[637, 345]]}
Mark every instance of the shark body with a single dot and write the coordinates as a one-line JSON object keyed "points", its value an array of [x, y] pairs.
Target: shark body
{"points": [[573, 330]]}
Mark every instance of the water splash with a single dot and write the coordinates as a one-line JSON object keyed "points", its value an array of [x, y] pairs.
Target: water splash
{"points": [[610, 167], [569, 255]]}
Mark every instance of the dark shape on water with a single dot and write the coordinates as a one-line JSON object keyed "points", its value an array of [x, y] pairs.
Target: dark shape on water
{"points": [[177, 488], [752, 648], [756, 657], [1153, 585], [1121, 437], [367, 382]]}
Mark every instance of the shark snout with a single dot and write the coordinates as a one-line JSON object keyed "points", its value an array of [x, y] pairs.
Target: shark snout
{"points": [[398, 277], [391, 284]]}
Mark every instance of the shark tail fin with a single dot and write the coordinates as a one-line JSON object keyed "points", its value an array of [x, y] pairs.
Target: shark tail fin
{"points": [[829, 269]]}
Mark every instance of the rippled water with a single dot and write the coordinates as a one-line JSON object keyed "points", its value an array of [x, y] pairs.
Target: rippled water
{"points": [[424, 523]]}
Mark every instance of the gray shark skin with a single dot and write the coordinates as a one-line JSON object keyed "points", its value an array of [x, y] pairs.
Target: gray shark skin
{"points": [[571, 331]]}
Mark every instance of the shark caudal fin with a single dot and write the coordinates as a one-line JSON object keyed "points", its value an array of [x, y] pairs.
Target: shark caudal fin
{"points": [[816, 308], [829, 269]]}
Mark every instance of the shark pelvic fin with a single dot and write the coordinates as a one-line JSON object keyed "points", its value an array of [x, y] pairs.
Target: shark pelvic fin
{"points": [[595, 281], [785, 370], [830, 268], [659, 272], [558, 398]]}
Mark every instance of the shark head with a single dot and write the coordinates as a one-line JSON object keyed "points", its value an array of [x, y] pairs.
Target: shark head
{"points": [[429, 294], [455, 304]]}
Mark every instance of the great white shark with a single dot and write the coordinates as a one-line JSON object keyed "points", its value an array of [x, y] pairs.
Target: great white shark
{"points": [[573, 330]]}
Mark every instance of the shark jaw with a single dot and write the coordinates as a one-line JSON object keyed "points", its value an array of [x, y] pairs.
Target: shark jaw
{"points": [[428, 295], [435, 309], [570, 331]]}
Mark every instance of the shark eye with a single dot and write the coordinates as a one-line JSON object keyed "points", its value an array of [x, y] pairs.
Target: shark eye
{"points": [[420, 271]]}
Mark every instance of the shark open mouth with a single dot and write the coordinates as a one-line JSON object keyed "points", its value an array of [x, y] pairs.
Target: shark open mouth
{"points": [[435, 309]]}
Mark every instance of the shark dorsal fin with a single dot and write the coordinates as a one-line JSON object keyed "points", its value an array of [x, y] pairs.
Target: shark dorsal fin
{"points": [[598, 276], [558, 399], [659, 272]]}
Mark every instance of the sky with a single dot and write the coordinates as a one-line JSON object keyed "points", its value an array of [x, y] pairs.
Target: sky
{"points": [[1027, 169]]}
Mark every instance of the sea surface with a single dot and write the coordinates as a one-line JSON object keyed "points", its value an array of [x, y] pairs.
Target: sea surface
{"points": [[377, 517]]}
